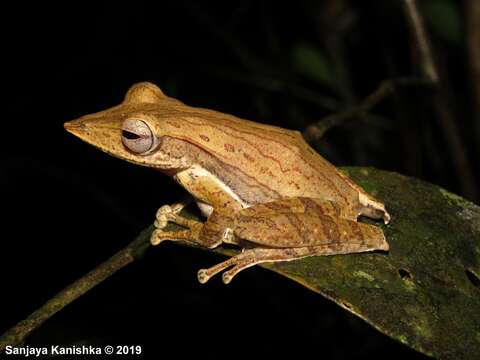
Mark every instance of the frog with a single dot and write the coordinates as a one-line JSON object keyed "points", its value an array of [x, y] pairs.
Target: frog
{"points": [[260, 188]]}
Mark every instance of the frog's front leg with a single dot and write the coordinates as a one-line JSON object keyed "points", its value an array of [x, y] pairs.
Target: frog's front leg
{"points": [[170, 213], [167, 213], [209, 234]]}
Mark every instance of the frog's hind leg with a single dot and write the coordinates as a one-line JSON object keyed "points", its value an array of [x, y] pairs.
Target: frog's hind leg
{"points": [[284, 236], [245, 259], [256, 256]]}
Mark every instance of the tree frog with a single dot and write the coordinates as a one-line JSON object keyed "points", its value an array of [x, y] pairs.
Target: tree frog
{"points": [[260, 187]]}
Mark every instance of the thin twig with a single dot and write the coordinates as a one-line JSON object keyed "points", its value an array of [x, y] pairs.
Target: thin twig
{"points": [[461, 162], [443, 111], [429, 77], [387, 87], [276, 85], [17, 334], [417, 29], [472, 17]]}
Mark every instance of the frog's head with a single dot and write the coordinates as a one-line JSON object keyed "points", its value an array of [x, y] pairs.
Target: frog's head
{"points": [[132, 130]]}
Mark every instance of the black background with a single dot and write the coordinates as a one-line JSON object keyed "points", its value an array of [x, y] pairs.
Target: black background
{"points": [[67, 206]]}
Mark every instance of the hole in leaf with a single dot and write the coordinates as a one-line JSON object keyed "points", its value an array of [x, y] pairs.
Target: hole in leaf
{"points": [[405, 274], [472, 277], [347, 305]]}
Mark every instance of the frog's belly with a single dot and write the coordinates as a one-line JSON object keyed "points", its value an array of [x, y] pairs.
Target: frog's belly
{"points": [[208, 190], [205, 209]]}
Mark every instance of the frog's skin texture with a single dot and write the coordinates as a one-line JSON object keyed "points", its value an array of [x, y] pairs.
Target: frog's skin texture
{"points": [[261, 187]]}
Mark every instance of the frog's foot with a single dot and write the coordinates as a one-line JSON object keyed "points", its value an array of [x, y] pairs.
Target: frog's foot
{"points": [[373, 209], [168, 213], [251, 257]]}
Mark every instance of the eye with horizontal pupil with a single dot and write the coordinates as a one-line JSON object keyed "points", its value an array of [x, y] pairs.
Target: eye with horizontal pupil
{"points": [[137, 136], [130, 135]]}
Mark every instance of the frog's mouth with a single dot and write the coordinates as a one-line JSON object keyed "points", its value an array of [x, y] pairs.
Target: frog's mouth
{"points": [[79, 129], [104, 136], [73, 126], [107, 137]]}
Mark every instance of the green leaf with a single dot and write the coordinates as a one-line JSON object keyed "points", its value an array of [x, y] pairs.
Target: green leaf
{"points": [[311, 62], [425, 291], [443, 17]]}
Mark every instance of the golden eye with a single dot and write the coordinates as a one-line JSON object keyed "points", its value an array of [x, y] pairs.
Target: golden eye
{"points": [[137, 136]]}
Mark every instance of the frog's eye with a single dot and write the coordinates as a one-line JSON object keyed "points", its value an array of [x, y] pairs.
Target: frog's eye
{"points": [[137, 136]]}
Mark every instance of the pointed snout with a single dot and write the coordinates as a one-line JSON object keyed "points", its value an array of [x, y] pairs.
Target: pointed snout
{"points": [[75, 127], [102, 130], [99, 131]]}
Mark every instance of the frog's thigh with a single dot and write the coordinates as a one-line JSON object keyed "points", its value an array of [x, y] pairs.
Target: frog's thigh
{"points": [[256, 256], [292, 230], [294, 205]]}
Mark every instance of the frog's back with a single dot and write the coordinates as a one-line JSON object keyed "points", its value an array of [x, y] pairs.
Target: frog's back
{"points": [[261, 162]]}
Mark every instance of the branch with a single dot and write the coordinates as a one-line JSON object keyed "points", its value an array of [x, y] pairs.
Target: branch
{"points": [[429, 71], [422, 44], [17, 334], [472, 17], [387, 87]]}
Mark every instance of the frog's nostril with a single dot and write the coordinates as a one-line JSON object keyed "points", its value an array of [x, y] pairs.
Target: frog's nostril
{"points": [[73, 125]]}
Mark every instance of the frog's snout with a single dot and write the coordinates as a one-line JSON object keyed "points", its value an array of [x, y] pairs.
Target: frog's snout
{"points": [[74, 125]]}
